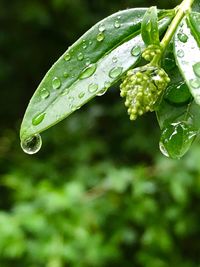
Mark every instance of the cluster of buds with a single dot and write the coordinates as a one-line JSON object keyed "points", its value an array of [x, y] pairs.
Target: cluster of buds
{"points": [[142, 88], [151, 51]]}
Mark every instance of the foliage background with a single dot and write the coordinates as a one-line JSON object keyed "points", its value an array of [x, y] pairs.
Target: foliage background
{"points": [[99, 193]]}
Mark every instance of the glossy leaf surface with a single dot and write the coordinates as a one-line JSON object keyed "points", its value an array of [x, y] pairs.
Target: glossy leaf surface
{"points": [[187, 53], [86, 69]]}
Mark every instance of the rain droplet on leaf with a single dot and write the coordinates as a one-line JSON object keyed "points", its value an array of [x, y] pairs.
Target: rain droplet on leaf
{"points": [[44, 93], [136, 50], [100, 37], [92, 88], [56, 83], [196, 68], [115, 72], [38, 119], [88, 71], [67, 57], [180, 53]]}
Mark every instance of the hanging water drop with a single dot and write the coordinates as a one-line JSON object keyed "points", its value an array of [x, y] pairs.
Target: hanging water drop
{"points": [[136, 50], [115, 72], [182, 37], [67, 57], [196, 68], [88, 71], [101, 27], [100, 37], [195, 83], [32, 144], [92, 88], [38, 119], [80, 56], [180, 53], [56, 83], [44, 93]]}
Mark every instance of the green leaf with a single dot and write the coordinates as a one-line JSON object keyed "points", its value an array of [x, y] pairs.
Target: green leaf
{"points": [[149, 29], [194, 23], [178, 114], [187, 54], [91, 65]]}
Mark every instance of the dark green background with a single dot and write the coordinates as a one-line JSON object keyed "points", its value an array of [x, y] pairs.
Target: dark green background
{"points": [[99, 193]]}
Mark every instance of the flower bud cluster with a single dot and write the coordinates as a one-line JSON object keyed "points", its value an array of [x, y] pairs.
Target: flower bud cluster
{"points": [[151, 51], [142, 87]]}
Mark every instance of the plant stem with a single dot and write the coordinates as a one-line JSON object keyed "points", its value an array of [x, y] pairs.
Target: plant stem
{"points": [[182, 10]]}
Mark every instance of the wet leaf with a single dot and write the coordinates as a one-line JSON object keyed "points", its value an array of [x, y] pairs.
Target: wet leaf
{"points": [[91, 65], [187, 54]]}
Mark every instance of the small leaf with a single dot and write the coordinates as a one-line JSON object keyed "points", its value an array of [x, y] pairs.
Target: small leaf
{"points": [[91, 65], [149, 29], [187, 54]]}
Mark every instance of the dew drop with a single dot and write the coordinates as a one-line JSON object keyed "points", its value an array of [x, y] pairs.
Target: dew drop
{"points": [[88, 71], [117, 24], [196, 68], [100, 37], [84, 44], [101, 27], [182, 37], [92, 88], [115, 72], [32, 144], [38, 119], [195, 83], [180, 53], [67, 57], [56, 83], [81, 94], [44, 93], [66, 91], [163, 149], [136, 50], [90, 42], [80, 56]]}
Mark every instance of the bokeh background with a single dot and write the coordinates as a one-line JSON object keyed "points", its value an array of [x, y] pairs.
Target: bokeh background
{"points": [[99, 193]]}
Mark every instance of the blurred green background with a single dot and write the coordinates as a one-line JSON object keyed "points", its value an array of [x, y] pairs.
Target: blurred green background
{"points": [[99, 193]]}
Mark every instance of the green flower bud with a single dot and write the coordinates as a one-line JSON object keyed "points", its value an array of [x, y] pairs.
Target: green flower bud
{"points": [[142, 87], [151, 51]]}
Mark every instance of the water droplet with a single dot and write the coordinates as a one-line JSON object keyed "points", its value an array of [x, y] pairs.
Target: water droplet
{"points": [[80, 56], [117, 24], [92, 88], [71, 98], [115, 72], [32, 144], [84, 44], [88, 71], [176, 139], [87, 63], [38, 119], [180, 53], [182, 37], [100, 37], [102, 92], [81, 94], [101, 27], [66, 91], [65, 74], [67, 57], [196, 68], [114, 59], [195, 83], [56, 83], [90, 42], [119, 17], [44, 93], [136, 50]]}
